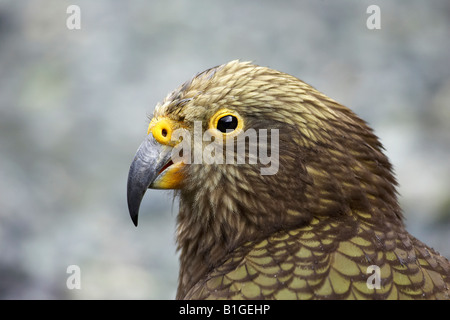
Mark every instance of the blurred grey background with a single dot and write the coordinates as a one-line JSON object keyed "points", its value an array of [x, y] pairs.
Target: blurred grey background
{"points": [[74, 107]]}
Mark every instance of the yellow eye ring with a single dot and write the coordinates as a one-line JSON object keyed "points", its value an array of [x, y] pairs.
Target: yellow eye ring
{"points": [[161, 130], [227, 122]]}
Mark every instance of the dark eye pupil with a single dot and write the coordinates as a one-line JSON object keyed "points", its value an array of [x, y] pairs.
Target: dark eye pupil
{"points": [[227, 123]]}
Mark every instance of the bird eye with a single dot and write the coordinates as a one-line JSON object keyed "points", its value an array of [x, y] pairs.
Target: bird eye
{"points": [[227, 123]]}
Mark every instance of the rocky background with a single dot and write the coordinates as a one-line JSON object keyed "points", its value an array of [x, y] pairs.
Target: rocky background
{"points": [[74, 107]]}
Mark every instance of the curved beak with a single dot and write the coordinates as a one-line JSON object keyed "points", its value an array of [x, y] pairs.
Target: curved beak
{"points": [[151, 159]]}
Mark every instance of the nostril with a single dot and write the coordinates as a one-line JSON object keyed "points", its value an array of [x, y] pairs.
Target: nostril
{"points": [[164, 132]]}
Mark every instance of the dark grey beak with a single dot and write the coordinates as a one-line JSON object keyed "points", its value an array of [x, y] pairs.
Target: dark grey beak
{"points": [[150, 159]]}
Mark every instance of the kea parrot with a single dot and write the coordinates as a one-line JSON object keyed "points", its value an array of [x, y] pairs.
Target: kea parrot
{"points": [[283, 194]]}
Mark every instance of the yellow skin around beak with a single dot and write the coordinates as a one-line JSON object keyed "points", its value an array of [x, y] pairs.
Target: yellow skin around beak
{"points": [[170, 176]]}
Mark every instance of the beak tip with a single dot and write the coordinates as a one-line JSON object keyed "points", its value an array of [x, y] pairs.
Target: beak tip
{"points": [[134, 202], [133, 209], [135, 220]]}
